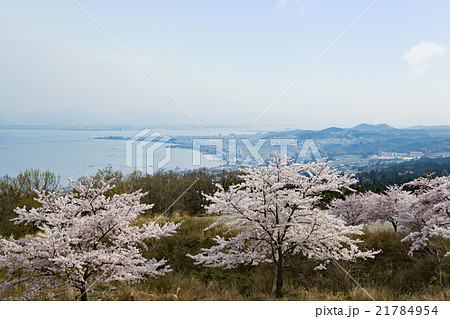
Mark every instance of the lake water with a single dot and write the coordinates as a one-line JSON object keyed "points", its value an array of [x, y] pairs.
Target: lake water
{"points": [[76, 153]]}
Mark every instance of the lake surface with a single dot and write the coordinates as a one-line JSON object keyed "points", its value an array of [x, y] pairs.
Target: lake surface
{"points": [[70, 153]]}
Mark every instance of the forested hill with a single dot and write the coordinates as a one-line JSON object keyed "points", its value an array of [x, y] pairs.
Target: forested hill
{"points": [[377, 177], [366, 140]]}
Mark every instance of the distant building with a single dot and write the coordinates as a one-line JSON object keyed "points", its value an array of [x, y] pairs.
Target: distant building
{"points": [[416, 154], [397, 156], [392, 155]]}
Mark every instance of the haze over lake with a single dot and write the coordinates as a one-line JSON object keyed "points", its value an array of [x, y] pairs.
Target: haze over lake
{"points": [[74, 153]]}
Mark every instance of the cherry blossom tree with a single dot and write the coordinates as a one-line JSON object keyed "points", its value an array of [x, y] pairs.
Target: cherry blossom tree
{"points": [[429, 218], [430, 212], [352, 209], [274, 214], [369, 207], [84, 236], [388, 206]]}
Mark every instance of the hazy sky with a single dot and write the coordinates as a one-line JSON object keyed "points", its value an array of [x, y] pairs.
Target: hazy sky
{"points": [[226, 61]]}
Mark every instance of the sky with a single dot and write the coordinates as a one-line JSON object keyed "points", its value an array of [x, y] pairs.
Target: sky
{"points": [[226, 62]]}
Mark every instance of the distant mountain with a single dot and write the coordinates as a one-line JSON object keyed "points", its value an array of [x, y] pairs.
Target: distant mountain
{"points": [[373, 128], [77, 119], [333, 130], [367, 140]]}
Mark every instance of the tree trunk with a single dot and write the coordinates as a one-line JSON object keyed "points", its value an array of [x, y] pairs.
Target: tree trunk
{"points": [[83, 296], [394, 224], [279, 283], [83, 289]]}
